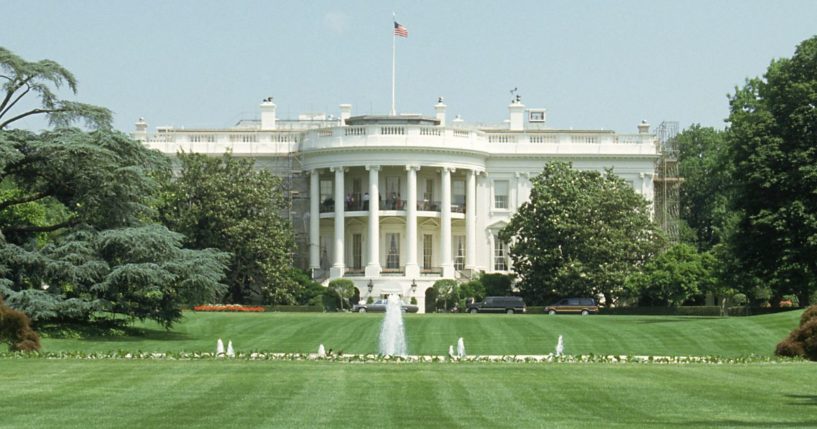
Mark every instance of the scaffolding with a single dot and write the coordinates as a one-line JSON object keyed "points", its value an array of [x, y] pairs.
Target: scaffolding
{"points": [[667, 181]]}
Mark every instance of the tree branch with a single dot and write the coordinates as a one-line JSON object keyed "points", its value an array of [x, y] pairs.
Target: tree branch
{"points": [[34, 228], [7, 109], [29, 113], [27, 199], [10, 92]]}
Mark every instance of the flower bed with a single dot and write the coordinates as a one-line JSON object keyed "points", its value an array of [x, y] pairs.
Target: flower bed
{"points": [[229, 307], [376, 358]]}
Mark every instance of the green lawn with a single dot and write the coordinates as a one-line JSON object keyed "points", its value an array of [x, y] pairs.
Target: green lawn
{"points": [[39, 393], [71, 393], [483, 334]]}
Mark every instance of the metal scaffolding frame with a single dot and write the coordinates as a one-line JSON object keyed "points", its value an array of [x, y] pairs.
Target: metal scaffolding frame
{"points": [[667, 181]]}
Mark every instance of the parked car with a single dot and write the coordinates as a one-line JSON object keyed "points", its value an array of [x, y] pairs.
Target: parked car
{"points": [[380, 305], [498, 304], [583, 306]]}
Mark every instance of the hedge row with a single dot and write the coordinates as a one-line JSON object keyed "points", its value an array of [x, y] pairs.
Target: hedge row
{"points": [[694, 310]]}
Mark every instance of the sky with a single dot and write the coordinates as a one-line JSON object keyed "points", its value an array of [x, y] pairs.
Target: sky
{"points": [[591, 64]]}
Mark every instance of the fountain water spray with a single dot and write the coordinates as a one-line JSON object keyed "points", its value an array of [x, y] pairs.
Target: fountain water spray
{"points": [[321, 351], [560, 347], [219, 348], [460, 348], [392, 332], [230, 350]]}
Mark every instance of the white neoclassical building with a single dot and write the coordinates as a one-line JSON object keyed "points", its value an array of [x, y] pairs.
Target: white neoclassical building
{"points": [[395, 203]]}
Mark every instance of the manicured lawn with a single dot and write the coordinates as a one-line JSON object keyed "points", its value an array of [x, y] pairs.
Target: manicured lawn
{"points": [[167, 393], [39, 393], [432, 334]]}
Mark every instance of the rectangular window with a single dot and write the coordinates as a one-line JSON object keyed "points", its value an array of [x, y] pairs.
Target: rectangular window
{"points": [[393, 197], [357, 194], [428, 196], [501, 194], [327, 200], [427, 248], [458, 196], [459, 252], [500, 255], [357, 251], [392, 251]]}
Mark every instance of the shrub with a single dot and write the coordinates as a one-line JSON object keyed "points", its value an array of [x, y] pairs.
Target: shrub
{"points": [[790, 301], [810, 313], [15, 329], [789, 348], [808, 336], [800, 342], [739, 299]]}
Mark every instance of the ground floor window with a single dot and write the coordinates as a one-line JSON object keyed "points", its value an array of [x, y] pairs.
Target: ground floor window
{"points": [[357, 251], [459, 252], [500, 255], [427, 248], [393, 255]]}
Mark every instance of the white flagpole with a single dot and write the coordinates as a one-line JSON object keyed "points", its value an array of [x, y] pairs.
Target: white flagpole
{"points": [[393, 63]]}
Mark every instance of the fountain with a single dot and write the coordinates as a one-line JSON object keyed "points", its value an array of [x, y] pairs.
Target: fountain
{"points": [[392, 332], [560, 347], [460, 348], [230, 350], [321, 351], [219, 348]]}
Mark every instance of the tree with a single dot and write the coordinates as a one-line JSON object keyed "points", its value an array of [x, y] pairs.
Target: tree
{"points": [[342, 289], [67, 196], [228, 204], [706, 189], [772, 140], [40, 78], [673, 277], [581, 233], [447, 293]]}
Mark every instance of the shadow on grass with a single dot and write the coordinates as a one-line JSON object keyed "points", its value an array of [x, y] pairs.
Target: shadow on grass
{"points": [[107, 331], [665, 319], [745, 424], [140, 334], [803, 399]]}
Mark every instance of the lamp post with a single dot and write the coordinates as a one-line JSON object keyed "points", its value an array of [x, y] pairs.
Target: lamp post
{"points": [[413, 287], [370, 286]]}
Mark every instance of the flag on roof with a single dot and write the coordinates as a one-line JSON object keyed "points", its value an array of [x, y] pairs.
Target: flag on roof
{"points": [[400, 30]]}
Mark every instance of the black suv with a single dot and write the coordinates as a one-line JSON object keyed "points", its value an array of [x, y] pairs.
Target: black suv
{"points": [[499, 304]]}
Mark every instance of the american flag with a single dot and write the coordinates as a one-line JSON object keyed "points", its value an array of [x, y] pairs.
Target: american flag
{"points": [[399, 30]]}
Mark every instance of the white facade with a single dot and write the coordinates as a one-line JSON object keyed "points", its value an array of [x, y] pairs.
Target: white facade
{"points": [[420, 198]]}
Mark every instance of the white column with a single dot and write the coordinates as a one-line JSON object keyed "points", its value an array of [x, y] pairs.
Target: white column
{"points": [[445, 225], [470, 219], [314, 220], [412, 269], [373, 266], [340, 219]]}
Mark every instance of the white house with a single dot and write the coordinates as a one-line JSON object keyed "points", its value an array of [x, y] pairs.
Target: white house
{"points": [[395, 203]]}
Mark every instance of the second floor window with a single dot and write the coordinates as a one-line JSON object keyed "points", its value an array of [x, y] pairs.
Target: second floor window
{"points": [[501, 194]]}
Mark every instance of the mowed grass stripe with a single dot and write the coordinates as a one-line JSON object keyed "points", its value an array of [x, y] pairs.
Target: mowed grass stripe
{"points": [[484, 334], [169, 394]]}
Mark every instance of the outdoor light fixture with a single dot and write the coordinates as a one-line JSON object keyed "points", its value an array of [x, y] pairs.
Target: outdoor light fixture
{"points": [[370, 285], [413, 287]]}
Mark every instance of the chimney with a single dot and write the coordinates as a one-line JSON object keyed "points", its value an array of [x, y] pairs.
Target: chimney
{"points": [[440, 109], [643, 127], [517, 114], [268, 109], [141, 133], [345, 113]]}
